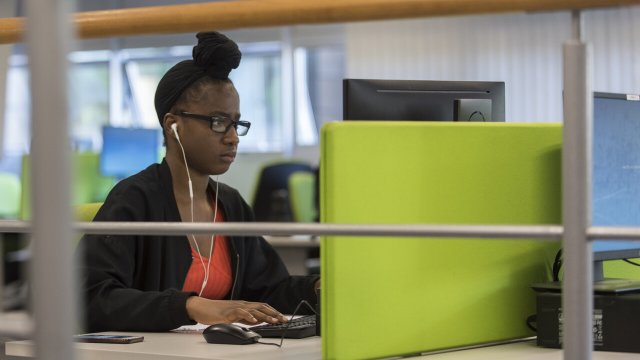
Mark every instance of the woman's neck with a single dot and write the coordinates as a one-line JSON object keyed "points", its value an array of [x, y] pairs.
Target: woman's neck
{"points": [[199, 182]]}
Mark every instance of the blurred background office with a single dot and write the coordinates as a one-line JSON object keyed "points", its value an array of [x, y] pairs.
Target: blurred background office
{"points": [[290, 78], [290, 83]]}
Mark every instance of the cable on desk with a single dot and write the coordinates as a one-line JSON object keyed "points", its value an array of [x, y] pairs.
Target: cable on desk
{"points": [[532, 322], [557, 265], [631, 262], [295, 312]]}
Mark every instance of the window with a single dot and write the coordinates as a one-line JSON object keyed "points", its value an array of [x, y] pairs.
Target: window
{"points": [[138, 72], [117, 87], [89, 104], [17, 128], [318, 90], [257, 80]]}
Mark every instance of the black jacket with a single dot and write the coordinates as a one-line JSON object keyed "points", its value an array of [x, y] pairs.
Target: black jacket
{"points": [[134, 282]]}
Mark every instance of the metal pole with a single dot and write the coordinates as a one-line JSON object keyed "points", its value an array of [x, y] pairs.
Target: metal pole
{"points": [[577, 300], [543, 232], [53, 294], [613, 233]]}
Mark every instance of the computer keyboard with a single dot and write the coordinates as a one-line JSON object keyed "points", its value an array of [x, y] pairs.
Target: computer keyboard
{"points": [[298, 328]]}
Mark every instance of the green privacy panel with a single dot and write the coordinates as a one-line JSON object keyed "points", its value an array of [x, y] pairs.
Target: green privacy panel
{"points": [[386, 296], [88, 184], [621, 269]]}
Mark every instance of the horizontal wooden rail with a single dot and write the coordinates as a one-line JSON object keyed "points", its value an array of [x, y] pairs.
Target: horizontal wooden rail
{"points": [[226, 15]]}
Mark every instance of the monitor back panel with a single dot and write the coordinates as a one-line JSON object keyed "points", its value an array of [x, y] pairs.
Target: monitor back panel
{"points": [[386, 296]]}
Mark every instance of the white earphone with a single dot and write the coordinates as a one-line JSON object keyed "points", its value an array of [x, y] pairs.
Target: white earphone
{"points": [[174, 127], [207, 267]]}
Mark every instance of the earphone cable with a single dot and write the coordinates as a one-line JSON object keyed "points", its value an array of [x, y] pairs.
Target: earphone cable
{"points": [[205, 268]]}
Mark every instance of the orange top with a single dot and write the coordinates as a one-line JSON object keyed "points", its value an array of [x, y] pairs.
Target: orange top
{"points": [[220, 277]]}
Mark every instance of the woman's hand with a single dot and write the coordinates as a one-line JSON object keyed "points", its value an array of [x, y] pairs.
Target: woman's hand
{"points": [[208, 312]]}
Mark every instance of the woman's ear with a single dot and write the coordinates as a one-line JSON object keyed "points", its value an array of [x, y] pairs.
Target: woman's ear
{"points": [[168, 122]]}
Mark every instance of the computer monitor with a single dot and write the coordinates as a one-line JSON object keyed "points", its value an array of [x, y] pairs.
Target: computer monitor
{"points": [[126, 151], [616, 173], [368, 99]]}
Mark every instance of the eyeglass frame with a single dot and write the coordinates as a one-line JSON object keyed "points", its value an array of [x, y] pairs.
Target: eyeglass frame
{"points": [[212, 118]]}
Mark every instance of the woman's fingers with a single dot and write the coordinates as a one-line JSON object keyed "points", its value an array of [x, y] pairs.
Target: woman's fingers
{"points": [[274, 315], [214, 311]]}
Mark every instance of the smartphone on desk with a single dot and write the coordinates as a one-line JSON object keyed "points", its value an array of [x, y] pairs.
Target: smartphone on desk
{"points": [[108, 339]]}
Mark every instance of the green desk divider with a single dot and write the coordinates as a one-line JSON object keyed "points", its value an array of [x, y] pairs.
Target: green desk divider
{"points": [[621, 269], [88, 185], [386, 296]]}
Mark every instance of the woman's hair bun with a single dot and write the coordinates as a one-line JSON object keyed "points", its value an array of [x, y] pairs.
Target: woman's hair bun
{"points": [[216, 54]]}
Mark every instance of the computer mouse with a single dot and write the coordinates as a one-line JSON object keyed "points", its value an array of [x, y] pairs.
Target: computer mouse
{"points": [[229, 334]]}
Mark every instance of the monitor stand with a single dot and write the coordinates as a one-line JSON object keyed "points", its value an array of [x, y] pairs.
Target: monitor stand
{"points": [[601, 285], [611, 285]]}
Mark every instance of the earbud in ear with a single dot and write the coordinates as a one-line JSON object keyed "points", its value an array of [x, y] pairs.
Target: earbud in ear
{"points": [[174, 127]]}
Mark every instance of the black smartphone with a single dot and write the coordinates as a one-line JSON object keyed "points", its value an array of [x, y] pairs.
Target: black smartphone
{"points": [[109, 339]]}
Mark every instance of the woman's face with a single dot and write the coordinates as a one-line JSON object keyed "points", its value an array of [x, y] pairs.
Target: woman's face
{"points": [[209, 152]]}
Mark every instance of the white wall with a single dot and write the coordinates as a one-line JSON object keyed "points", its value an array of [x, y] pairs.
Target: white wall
{"points": [[615, 35], [523, 50]]}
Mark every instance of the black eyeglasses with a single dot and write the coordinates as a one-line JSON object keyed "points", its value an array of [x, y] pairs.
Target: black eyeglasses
{"points": [[221, 124]]}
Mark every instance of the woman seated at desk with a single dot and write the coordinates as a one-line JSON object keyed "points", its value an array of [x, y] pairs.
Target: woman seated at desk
{"points": [[158, 283]]}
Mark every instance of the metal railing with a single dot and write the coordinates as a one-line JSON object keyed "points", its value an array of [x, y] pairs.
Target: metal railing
{"points": [[48, 34], [509, 232]]}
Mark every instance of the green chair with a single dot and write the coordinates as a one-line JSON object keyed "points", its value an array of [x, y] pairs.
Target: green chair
{"points": [[86, 212], [302, 200], [10, 194], [302, 186]]}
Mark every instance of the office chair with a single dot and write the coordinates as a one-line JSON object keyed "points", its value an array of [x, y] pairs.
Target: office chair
{"points": [[302, 186], [12, 290], [271, 199], [10, 194], [86, 212], [303, 198]]}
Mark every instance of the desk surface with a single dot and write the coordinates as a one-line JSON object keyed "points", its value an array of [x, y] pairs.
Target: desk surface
{"points": [[297, 241], [526, 350], [17, 324], [192, 346], [184, 346]]}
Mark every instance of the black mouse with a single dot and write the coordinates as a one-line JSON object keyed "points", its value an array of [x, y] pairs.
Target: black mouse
{"points": [[229, 334]]}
